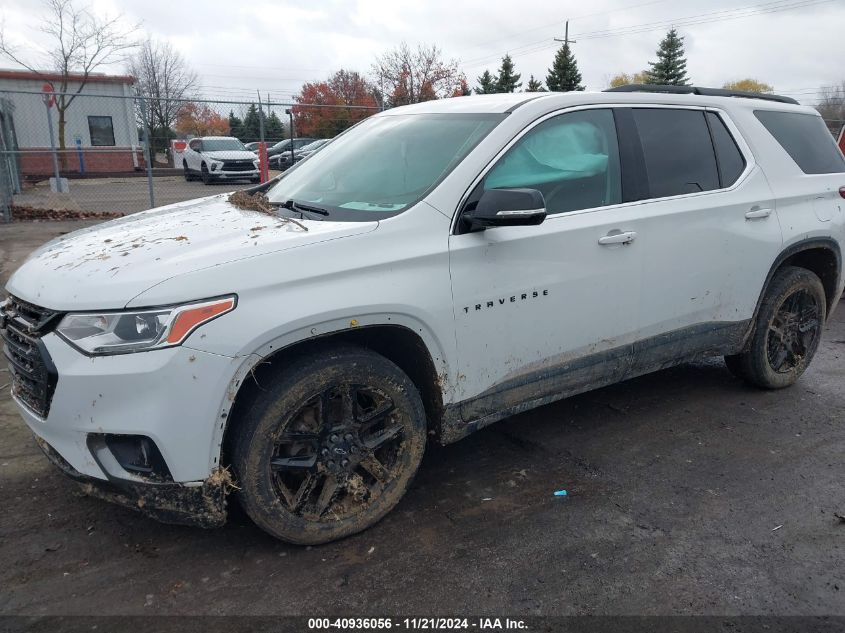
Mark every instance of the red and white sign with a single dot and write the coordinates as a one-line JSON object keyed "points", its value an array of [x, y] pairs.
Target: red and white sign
{"points": [[177, 146], [49, 96]]}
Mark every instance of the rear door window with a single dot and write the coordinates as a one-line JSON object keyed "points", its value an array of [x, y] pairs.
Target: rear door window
{"points": [[731, 163], [806, 139], [677, 150]]}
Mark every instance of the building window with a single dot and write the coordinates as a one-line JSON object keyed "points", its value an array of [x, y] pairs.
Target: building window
{"points": [[101, 130]]}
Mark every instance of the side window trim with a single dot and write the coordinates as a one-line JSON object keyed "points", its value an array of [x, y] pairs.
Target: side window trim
{"points": [[719, 170], [467, 195]]}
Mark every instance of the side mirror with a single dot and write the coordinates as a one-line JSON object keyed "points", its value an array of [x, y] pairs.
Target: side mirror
{"points": [[507, 207]]}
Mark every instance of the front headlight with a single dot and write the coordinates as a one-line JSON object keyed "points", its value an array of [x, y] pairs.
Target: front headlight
{"points": [[100, 334]]}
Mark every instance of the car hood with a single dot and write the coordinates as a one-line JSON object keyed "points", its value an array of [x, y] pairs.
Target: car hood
{"points": [[232, 154], [106, 266]]}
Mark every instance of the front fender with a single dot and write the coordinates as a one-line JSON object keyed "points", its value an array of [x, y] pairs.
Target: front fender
{"points": [[316, 332]]}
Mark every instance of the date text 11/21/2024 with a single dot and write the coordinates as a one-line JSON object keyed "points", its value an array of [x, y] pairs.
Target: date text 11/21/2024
{"points": [[417, 624]]}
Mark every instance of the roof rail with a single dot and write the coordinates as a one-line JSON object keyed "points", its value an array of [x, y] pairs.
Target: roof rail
{"points": [[697, 90]]}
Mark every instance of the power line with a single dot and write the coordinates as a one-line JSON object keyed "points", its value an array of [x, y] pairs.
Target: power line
{"points": [[716, 16], [577, 17], [773, 6]]}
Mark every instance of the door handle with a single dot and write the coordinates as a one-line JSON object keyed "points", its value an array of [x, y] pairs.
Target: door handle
{"points": [[757, 212], [618, 238]]}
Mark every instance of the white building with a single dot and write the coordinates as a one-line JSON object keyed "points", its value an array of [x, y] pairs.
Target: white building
{"points": [[101, 133]]}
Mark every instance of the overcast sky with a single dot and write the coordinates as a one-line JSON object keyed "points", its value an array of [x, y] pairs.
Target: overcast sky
{"points": [[238, 46]]}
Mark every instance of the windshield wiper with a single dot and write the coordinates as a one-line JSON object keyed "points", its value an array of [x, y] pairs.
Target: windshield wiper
{"points": [[298, 206]]}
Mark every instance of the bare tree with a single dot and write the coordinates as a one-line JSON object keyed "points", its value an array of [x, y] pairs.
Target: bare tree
{"points": [[165, 79], [80, 43], [408, 76], [832, 106]]}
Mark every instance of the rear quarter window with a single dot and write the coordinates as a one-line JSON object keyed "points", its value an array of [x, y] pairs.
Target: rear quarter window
{"points": [[730, 160], [806, 139]]}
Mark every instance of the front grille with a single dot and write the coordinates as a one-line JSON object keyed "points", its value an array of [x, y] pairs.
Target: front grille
{"points": [[238, 165], [33, 375]]}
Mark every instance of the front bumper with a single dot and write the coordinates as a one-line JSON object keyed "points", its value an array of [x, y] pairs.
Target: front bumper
{"points": [[235, 175], [172, 396], [202, 505]]}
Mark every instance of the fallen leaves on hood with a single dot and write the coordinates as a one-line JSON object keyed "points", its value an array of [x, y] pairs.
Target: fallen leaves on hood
{"points": [[259, 202]]}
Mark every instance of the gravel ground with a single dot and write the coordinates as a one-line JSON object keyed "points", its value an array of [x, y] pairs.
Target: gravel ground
{"points": [[689, 493], [122, 195]]}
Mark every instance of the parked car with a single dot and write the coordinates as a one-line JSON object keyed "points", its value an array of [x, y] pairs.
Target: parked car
{"points": [[435, 269], [213, 158], [252, 147], [283, 161], [284, 146]]}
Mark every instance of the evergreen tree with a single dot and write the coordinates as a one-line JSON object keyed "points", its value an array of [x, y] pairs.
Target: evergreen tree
{"points": [[235, 125], [487, 84], [534, 85], [508, 80], [251, 125], [274, 129], [670, 69], [563, 75]]}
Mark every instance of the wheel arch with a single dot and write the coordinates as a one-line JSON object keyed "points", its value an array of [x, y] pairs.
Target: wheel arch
{"points": [[821, 256], [398, 343]]}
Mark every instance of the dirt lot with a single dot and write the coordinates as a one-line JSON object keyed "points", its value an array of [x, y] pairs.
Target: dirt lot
{"points": [[123, 195], [689, 493]]}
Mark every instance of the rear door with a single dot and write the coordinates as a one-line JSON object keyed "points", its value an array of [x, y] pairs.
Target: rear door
{"points": [[708, 231]]}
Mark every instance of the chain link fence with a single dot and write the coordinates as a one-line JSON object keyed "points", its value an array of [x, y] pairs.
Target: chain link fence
{"points": [[109, 155]]}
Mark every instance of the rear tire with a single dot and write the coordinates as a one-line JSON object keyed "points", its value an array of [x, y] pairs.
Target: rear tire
{"points": [[188, 175], [329, 447], [786, 333]]}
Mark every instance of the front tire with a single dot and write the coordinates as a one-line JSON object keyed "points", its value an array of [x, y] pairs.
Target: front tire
{"points": [[330, 447], [204, 175], [188, 176], [787, 331]]}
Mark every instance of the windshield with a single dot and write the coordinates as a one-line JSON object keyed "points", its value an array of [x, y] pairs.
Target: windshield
{"points": [[281, 144], [221, 144], [384, 165]]}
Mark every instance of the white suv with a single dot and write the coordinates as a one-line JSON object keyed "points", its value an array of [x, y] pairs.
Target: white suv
{"points": [[436, 268], [213, 158]]}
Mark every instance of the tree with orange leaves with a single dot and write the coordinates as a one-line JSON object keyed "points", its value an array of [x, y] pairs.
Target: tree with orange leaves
{"points": [[198, 119], [463, 89], [343, 88]]}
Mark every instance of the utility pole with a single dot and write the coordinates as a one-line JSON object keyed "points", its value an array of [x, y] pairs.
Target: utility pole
{"points": [[566, 41], [262, 146], [289, 112]]}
